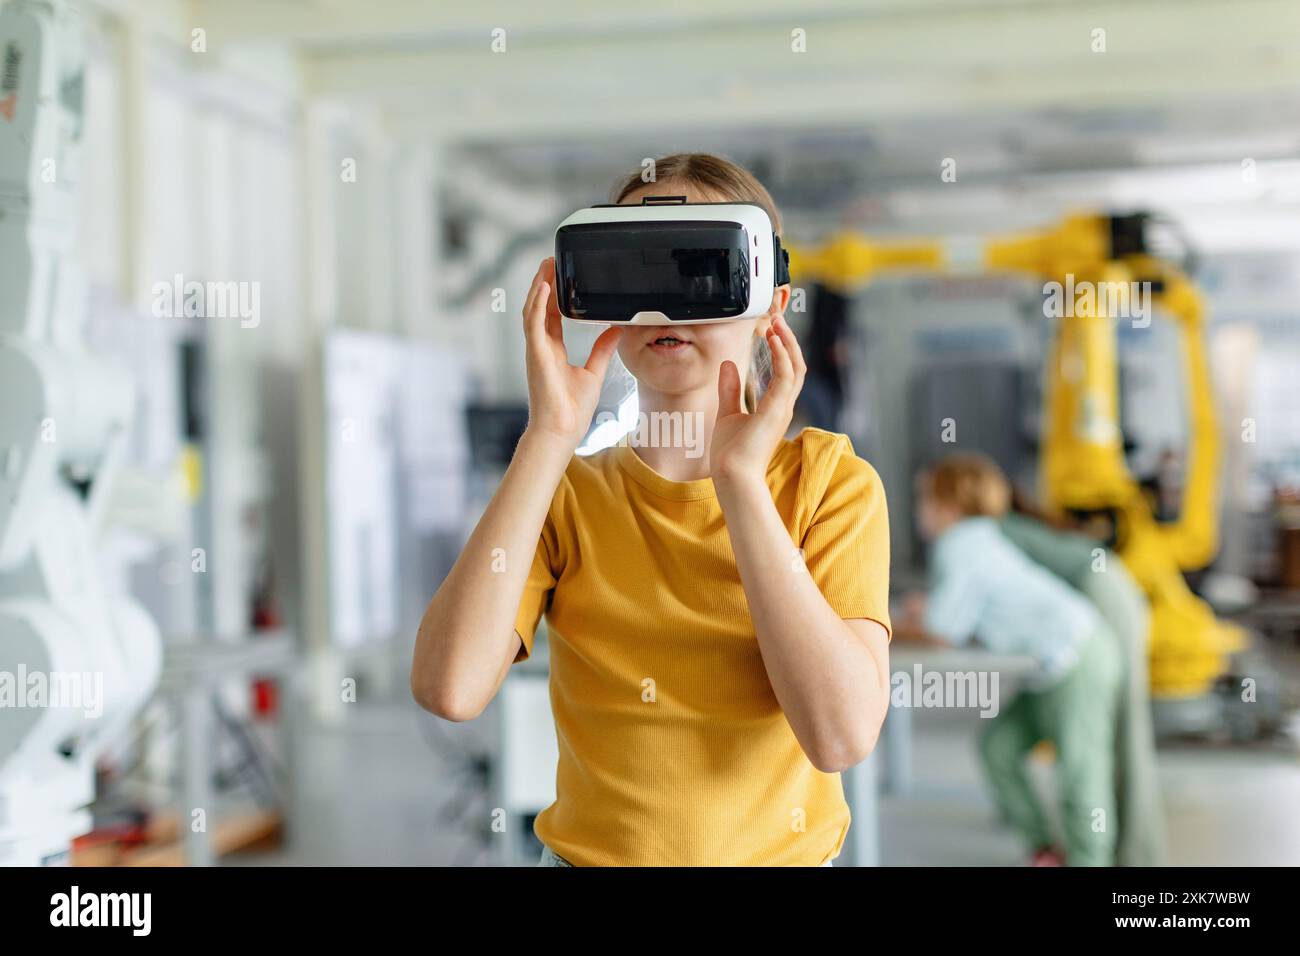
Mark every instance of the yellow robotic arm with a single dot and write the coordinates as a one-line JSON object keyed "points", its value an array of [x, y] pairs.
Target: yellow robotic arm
{"points": [[849, 260], [1083, 467]]}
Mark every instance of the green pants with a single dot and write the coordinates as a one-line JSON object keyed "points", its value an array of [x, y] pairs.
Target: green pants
{"points": [[1078, 716], [1141, 837]]}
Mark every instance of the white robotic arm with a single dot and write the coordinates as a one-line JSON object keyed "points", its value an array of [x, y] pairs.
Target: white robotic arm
{"points": [[76, 664]]}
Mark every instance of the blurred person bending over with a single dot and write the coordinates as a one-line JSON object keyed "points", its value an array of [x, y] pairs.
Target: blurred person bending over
{"points": [[982, 586], [1100, 576]]}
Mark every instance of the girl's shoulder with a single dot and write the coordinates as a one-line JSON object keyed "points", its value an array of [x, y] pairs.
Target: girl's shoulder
{"points": [[823, 464], [588, 475]]}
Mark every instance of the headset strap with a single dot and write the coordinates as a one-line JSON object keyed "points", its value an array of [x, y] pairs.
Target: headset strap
{"points": [[781, 262]]}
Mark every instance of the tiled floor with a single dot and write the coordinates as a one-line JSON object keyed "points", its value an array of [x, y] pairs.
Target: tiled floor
{"points": [[1224, 806], [380, 789]]}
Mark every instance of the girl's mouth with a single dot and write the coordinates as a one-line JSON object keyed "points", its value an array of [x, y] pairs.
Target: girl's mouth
{"points": [[668, 344]]}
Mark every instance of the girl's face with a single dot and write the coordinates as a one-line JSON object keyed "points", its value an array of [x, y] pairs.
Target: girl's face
{"points": [[683, 359]]}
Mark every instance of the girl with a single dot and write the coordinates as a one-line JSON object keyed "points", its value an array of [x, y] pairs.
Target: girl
{"points": [[718, 621], [982, 586]]}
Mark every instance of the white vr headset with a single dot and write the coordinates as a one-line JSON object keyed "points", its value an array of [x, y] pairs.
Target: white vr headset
{"points": [[668, 262]]}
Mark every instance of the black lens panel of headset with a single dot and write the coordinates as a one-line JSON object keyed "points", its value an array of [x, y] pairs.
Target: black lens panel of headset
{"points": [[685, 269]]}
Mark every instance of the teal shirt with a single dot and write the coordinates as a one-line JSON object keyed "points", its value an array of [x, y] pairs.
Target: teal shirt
{"points": [[982, 586], [1066, 554]]}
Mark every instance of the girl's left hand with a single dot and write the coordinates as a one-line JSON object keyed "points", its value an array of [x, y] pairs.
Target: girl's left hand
{"points": [[743, 443]]}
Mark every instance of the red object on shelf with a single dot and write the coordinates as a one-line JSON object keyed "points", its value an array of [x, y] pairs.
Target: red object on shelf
{"points": [[266, 693], [266, 697]]}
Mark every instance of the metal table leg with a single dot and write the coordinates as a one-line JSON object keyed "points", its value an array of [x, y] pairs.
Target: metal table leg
{"points": [[862, 848], [898, 750], [196, 785]]}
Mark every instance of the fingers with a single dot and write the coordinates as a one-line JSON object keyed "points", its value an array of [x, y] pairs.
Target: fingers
{"points": [[543, 331], [788, 368], [780, 389], [554, 321], [547, 269], [792, 347], [729, 399], [602, 350], [535, 311]]}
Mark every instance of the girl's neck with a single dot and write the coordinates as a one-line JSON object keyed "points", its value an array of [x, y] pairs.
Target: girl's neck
{"points": [[673, 432]]}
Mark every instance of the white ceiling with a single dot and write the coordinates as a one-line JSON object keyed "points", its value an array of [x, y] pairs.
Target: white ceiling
{"points": [[1012, 89], [584, 65]]}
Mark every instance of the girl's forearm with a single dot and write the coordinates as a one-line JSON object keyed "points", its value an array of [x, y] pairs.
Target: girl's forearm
{"points": [[466, 640], [833, 689]]}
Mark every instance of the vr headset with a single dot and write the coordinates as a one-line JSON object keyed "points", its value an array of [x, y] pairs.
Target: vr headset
{"points": [[667, 262]]}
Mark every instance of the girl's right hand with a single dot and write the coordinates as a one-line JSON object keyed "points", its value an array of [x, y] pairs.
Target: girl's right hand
{"points": [[561, 397]]}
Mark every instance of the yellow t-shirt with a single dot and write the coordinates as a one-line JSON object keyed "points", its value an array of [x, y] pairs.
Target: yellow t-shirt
{"points": [[673, 748]]}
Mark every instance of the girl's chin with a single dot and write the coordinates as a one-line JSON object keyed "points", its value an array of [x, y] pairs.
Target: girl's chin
{"points": [[673, 384]]}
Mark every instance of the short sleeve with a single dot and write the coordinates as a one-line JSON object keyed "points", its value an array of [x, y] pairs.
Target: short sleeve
{"points": [[537, 589], [846, 546]]}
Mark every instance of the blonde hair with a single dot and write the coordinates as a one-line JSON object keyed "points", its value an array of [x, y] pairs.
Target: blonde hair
{"points": [[730, 182], [973, 484]]}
